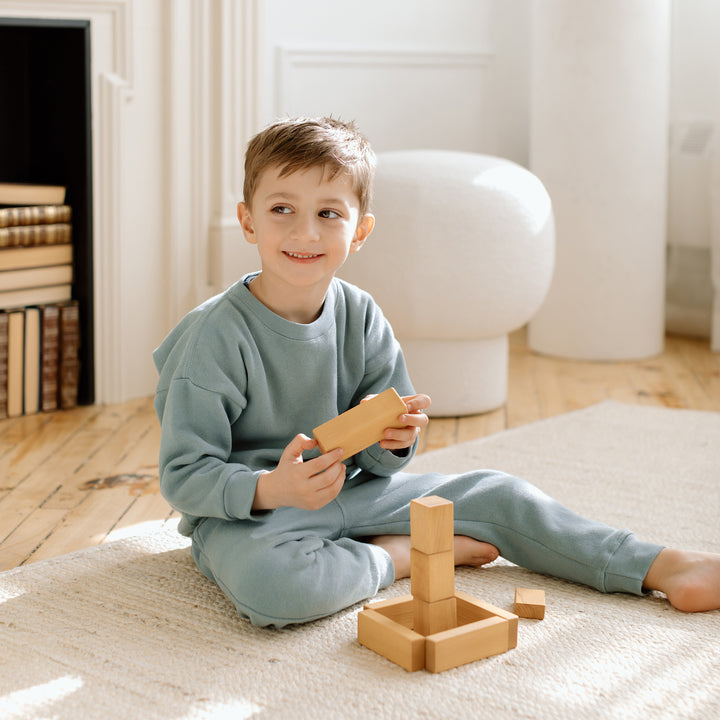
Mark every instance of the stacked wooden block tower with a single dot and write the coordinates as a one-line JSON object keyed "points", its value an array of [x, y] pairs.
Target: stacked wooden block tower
{"points": [[436, 627]]}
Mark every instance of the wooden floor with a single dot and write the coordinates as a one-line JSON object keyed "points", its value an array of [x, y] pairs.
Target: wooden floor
{"points": [[72, 479]]}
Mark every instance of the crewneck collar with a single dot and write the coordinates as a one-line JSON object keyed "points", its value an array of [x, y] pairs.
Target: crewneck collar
{"points": [[240, 292]]}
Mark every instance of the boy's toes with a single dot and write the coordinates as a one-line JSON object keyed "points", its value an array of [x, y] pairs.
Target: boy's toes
{"points": [[469, 551]]}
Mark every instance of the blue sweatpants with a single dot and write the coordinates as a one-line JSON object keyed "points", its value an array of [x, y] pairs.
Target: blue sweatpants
{"points": [[292, 566]]}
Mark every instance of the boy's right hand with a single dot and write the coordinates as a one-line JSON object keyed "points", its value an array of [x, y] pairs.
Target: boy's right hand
{"points": [[308, 485]]}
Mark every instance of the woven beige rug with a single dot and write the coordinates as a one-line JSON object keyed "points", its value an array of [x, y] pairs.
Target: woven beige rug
{"points": [[132, 630]]}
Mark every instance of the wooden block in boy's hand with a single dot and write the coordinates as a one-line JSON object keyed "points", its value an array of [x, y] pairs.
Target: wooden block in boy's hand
{"points": [[361, 426]]}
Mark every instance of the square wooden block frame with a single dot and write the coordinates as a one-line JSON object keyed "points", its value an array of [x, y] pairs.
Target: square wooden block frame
{"points": [[482, 630]]}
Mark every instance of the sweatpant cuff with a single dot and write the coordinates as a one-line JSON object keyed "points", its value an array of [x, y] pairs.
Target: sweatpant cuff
{"points": [[629, 565], [385, 567]]}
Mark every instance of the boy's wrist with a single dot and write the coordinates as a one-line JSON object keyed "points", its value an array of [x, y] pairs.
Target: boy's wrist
{"points": [[264, 499]]}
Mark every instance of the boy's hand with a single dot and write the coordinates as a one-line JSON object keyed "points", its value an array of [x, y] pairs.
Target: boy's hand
{"points": [[415, 419], [308, 485]]}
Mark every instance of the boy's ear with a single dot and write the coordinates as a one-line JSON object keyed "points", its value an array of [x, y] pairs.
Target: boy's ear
{"points": [[246, 222], [364, 228]]}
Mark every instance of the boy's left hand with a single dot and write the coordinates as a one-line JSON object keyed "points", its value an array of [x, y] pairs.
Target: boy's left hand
{"points": [[415, 419]]}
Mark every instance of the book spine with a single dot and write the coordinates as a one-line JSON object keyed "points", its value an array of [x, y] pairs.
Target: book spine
{"points": [[31, 367], [35, 296], [31, 194], [30, 235], [69, 375], [34, 215], [26, 278], [16, 359], [49, 357], [3, 363], [24, 258]]}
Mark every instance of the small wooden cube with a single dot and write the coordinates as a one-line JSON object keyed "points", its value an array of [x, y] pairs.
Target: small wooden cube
{"points": [[530, 603], [361, 426], [432, 577], [431, 524]]}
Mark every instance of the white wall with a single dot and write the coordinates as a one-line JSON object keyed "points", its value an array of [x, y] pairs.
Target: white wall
{"points": [[694, 158], [411, 74], [695, 71]]}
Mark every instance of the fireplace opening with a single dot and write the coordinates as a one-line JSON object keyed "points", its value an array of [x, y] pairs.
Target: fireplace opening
{"points": [[46, 139]]}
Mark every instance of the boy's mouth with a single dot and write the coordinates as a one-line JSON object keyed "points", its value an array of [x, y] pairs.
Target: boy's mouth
{"points": [[302, 256]]}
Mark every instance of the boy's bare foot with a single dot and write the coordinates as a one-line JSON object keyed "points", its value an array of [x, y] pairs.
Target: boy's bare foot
{"points": [[691, 580], [467, 552]]}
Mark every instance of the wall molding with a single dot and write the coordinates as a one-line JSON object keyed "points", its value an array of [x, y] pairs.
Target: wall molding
{"points": [[210, 54], [107, 261], [237, 119], [289, 59]]}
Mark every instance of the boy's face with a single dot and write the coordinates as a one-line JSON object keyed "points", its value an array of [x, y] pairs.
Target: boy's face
{"points": [[304, 225]]}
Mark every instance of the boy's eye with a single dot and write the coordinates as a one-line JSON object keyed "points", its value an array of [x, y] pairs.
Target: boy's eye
{"points": [[329, 214], [281, 210]]}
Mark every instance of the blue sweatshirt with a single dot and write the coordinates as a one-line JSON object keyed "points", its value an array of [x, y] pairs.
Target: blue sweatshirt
{"points": [[238, 382]]}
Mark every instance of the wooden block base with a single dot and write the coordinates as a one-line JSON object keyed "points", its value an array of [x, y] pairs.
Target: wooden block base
{"points": [[387, 628], [466, 644], [391, 639]]}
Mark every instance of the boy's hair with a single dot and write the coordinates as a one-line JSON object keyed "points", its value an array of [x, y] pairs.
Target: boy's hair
{"points": [[303, 143]]}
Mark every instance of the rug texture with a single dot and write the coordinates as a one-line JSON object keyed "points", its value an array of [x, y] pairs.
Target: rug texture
{"points": [[132, 630]]}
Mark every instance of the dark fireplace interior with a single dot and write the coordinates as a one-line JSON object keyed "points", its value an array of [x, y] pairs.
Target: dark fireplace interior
{"points": [[45, 138]]}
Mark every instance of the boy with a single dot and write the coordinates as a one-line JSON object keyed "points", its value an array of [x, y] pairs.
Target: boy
{"points": [[289, 534]]}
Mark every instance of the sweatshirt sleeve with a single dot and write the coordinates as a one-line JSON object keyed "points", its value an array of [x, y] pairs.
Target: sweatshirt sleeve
{"points": [[385, 367], [196, 477]]}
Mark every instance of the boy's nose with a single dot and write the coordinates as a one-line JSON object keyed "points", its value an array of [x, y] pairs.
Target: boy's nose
{"points": [[305, 229]]}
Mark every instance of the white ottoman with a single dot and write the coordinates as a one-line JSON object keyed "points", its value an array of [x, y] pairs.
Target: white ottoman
{"points": [[461, 255]]}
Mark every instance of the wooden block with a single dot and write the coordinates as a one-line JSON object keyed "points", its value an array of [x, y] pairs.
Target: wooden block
{"points": [[530, 603], [361, 426], [398, 609], [432, 577], [470, 610], [434, 617], [431, 524], [466, 644], [398, 644]]}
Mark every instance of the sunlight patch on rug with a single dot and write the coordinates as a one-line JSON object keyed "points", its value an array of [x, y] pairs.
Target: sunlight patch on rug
{"points": [[21, 704]]}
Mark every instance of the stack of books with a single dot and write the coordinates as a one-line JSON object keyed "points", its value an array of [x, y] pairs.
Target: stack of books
{"points": [[39, 321]]}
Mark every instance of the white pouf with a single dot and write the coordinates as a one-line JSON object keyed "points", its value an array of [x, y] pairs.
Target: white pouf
{"points": [[462, 254]]}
